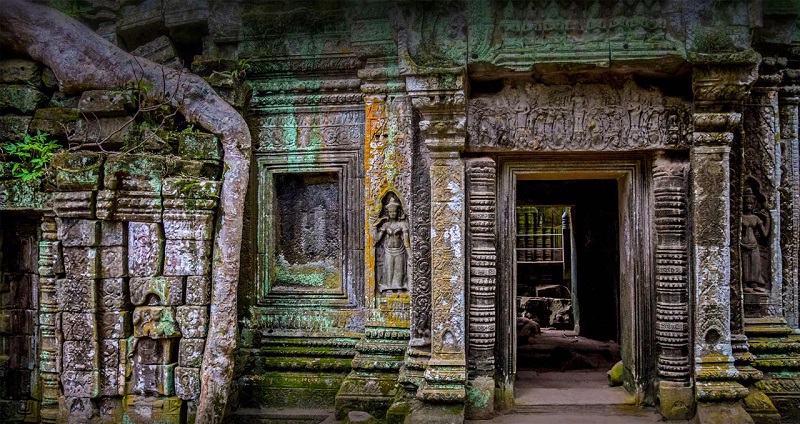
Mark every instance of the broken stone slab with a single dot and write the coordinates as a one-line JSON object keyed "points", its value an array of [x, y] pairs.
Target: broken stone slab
{"points": [[161, 50], [205, 169], [20, 71], [145, 243], [20, 99], [79, 355], [113, 261], [137, 22], [13, 127], [190, 352], [76, 294], [78, 325], [74, 204], [197, 145], [148, 409], [187, 383], [188, 225], [81, 262], [76, 409], [113, 294], [157, 322], [56, 121], [153, 379], [78, 170], [49, 79], [191, 188], [114, 324], [123, 205], [73, 232], [105, 103], [193, 321], [22, 195], [113, 233], [198, 290], [138, 172], [187, 257], [166, 290], [109, 381], [60, 99], [360, 417], [110, 133]]}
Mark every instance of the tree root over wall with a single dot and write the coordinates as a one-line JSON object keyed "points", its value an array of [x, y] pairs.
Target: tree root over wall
{"points": [[83, 60]]}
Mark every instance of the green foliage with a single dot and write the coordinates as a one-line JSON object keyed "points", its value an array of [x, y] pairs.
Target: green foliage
{"points": [[31, 156], [241, 69], [72, 8]]}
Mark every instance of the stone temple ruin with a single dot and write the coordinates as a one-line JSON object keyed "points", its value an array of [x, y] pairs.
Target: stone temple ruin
{"points": [[450, 206]]}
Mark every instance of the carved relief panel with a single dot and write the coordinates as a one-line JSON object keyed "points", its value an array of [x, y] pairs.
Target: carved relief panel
{"points": [[591, 117]]}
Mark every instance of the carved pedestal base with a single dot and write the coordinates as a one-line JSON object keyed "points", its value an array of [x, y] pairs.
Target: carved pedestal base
{"points": [[444, 381], [372, 385], [676, 400], [480, 398], [717, 413], [777, 351], [756, 304]]}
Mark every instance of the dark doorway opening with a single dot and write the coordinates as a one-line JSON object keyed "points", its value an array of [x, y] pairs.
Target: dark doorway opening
{"points": [[567, 264]]}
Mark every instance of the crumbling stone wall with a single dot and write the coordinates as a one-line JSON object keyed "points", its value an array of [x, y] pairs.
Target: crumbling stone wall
{"points": [[118, 250]]}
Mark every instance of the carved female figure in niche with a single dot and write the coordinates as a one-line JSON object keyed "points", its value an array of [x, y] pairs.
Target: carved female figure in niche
{"points": [[755, 226], [390, 232]]}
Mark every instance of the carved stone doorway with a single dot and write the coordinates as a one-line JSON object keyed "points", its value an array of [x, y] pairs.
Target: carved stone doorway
{"points": [[629, 177]]}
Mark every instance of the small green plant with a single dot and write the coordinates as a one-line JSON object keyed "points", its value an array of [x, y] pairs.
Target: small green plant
{"points": [[71, 8], [241, 69], [31, 156]]}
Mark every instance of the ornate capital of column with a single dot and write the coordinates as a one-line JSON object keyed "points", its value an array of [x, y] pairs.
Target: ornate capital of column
{"points": [[722, 80], [440, 100]]}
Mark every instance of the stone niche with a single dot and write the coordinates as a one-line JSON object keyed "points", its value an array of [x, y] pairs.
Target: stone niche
{"points": [[308, 232]]}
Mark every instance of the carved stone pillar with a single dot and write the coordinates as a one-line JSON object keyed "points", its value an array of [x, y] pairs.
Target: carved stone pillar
{"points": [[50, 265], [719, 84], [440, 99], [790, 195], [371, 386], [672, 287], [759, 245], [482, 200]]}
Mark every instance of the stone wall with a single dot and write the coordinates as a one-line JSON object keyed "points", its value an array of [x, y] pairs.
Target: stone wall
{"points": [[115, 239]]}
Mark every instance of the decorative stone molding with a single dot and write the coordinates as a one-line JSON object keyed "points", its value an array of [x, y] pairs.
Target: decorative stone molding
{"points": [[789, 98], [481, 182], [670, 184]]}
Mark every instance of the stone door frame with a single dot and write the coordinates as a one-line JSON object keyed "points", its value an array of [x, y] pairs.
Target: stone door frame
{"points": [[636, 245]]}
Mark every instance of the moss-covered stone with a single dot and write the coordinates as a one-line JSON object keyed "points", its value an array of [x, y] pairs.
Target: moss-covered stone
{"points": [[105, 103], [208, 169], [110, 133], [20, 71], [133, 172], [20, 99], [57, 121], [13, 127], [199, 146], [78, 170], [191, 188], [21, 195]]}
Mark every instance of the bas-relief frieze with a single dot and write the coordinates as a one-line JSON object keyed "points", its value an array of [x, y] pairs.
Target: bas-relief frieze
{"points": [[590, 117], [308, 131]]}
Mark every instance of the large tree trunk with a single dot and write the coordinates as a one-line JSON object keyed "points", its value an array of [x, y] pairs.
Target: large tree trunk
{"points": [[83, 60]]}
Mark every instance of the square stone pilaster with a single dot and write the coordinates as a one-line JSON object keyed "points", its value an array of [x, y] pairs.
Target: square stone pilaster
{"points": [[720, 84], [440, 100]]}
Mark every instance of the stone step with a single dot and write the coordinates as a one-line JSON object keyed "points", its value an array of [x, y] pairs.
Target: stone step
{"points": [[586, 409], [279, 416]]}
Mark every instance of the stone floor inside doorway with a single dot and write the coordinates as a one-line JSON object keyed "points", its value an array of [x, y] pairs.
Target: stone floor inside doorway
{"points": [[561, 378]]}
